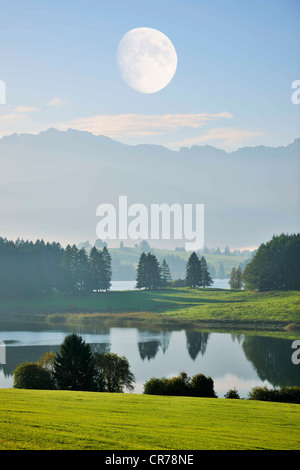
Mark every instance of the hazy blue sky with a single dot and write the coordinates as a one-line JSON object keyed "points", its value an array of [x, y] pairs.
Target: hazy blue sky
{"points": [[237, 60]]}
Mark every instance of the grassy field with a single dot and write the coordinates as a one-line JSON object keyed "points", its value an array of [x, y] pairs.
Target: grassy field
{"points": [[221, 308], [84, 421]]}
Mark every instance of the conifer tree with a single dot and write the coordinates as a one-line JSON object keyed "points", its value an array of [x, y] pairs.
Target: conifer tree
{"points": [[106, 272], [82, 270], [148, 272], [153, 272], [74, 365], [141, 271], [94, 269], [206, 280], [193, 271], [165, 274]]}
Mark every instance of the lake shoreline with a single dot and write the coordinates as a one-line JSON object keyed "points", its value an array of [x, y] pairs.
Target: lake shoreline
{"points": [[225, 309]]}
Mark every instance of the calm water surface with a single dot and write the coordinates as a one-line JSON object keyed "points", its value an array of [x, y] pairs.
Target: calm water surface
{"points": [[238, 361]]}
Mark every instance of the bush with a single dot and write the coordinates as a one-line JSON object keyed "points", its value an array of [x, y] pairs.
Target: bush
{"points": [[32, 376], [202, 386], [182, 385], [178, 386], [155, 386], [113, 373], [283, 394], [177, 283], [232, 393]]}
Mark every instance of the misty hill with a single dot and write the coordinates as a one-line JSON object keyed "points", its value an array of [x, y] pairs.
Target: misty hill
{"points": [[52, 183]]}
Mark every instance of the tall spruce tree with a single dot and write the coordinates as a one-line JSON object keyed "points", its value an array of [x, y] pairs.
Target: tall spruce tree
{"points": [[69, 269], [106, 271], [206, 280], [74, 365], [83, 281], [148, 272], [165, 274], [193, 276], [153, 272], [94, 269], [141, 277]]}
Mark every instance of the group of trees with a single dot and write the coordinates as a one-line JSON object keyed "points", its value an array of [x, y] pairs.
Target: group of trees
{"points": [[29, 268], [81, 272], [75, 367], [197, 386], [151, 274], [197, 274], [276, 265]]}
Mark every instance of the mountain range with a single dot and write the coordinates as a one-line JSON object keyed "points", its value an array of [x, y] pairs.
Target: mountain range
{"points": [[52, 183]]}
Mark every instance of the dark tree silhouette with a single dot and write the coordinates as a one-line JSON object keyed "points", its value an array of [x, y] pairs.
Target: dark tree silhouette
{"points": [[74, 365]]}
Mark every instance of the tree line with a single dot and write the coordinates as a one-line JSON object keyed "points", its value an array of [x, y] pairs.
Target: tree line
{"points": [[154, 275], [31, 268], [76, 368]]}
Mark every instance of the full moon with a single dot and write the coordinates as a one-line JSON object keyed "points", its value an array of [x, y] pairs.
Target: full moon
{"points": [[147, 59]]}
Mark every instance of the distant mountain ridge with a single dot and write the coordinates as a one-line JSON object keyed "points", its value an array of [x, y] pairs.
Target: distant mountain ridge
{"points": [[52, 183], [52, 133]]}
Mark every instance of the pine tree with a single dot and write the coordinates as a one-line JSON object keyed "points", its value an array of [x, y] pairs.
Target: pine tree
{"points": [[153, 272], [74, 366], [193, 271], [69, 269], [83, 271], [148, 272], [165, 274], [106, 272], [141, 271], [94, 269], [206, 278]]}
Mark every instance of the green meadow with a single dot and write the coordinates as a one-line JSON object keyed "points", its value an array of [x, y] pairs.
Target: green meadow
{"points": [[218, 308], [39, 420]]}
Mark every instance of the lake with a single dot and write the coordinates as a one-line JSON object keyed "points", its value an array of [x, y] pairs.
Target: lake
{"points": [[240, 361], [232, 360], [130, 285]]}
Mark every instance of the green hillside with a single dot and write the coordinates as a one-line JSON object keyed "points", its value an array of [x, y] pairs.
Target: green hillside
{"points": [[35, 420], [128, 257], [224, 308]]}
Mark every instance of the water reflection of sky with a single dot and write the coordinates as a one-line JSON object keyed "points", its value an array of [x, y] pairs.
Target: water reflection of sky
{"points": [[155, 354]]}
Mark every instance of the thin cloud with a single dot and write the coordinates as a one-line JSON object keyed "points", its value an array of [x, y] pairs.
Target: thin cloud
{"points": [[228, 136], [129, 125], [56, 103], [17, 119]]}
